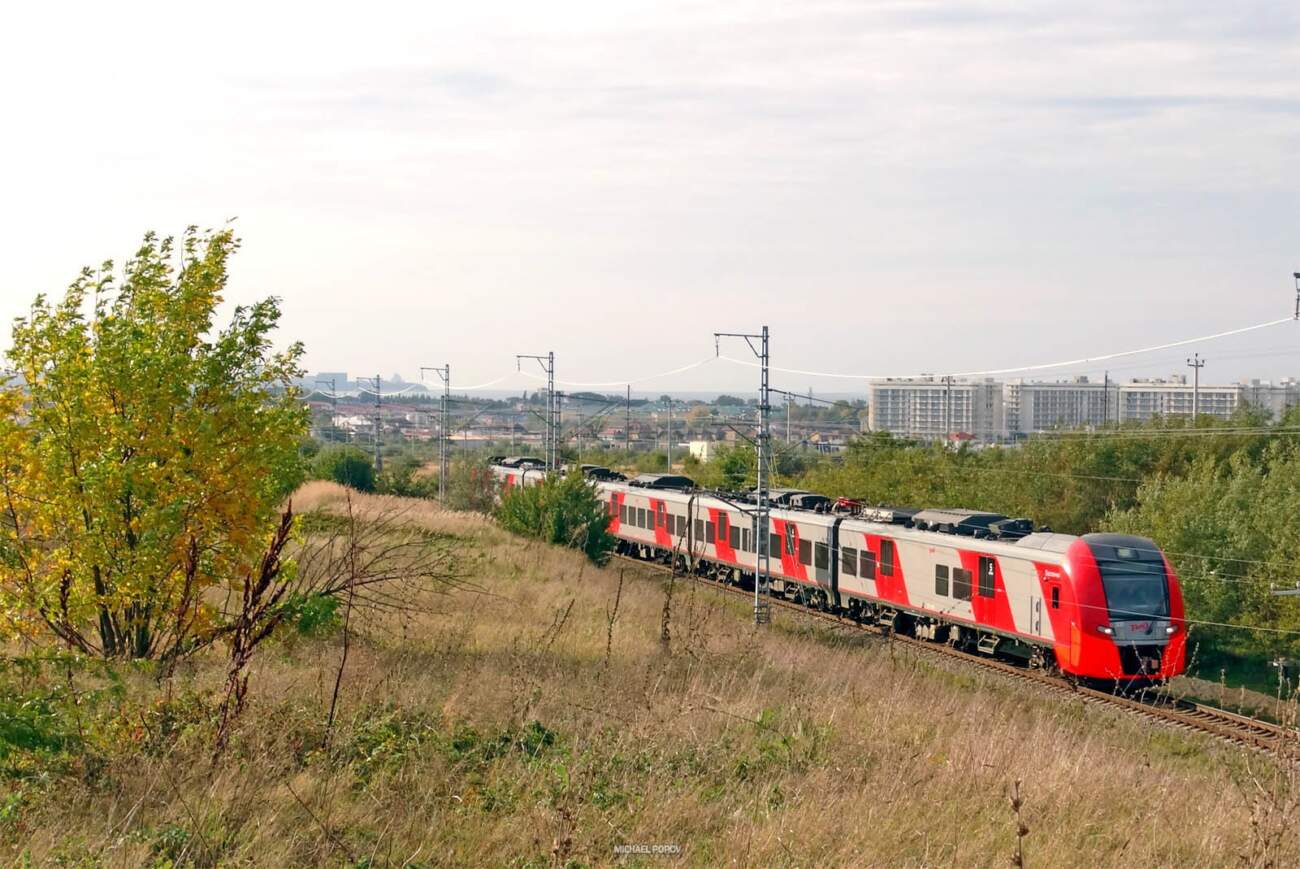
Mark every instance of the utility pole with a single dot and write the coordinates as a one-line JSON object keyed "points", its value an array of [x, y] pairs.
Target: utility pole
{"points": [[789, 400], [443, 444], [1196, 363], [670, 434], [627, 426], [552, 406], [379, 456], [334, 405], [1297, 295], [947, 409], [762, 609], [1105, 399]]}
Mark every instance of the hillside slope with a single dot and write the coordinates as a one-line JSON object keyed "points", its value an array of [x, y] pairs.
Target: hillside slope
{"points": [[545, 720]]}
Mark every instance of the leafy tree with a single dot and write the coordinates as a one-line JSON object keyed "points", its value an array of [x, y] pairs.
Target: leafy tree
{"points": [[404, 476], [346, 465], [564, 509], [145, 457], [470, 486]]}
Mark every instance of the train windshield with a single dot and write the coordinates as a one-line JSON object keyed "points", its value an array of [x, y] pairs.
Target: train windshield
{"points": [[1134, 579]]}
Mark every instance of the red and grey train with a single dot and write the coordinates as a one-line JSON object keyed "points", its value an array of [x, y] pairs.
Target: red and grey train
{"points": [[1097, 607]]}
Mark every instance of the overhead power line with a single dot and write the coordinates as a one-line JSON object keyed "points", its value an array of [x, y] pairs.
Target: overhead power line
{"points": [[1039, 367], [627, 381]]}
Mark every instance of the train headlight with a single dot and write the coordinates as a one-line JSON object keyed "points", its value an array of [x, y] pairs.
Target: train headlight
{"points": [[1106, 629], [1171, 629]]}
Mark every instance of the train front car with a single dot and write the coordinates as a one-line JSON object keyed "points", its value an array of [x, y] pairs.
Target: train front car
{"points": [[1127, 622]]}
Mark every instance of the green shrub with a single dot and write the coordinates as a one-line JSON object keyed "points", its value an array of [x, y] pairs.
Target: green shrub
{"points": [[401, 477], [562, 509], [471, 486], [346, 465], [312, 615]]}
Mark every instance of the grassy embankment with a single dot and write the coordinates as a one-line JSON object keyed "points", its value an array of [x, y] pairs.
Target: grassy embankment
{"points": [[546, 720]]}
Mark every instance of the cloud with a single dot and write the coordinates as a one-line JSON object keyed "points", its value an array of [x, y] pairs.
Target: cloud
{"points": [[848, 172]]}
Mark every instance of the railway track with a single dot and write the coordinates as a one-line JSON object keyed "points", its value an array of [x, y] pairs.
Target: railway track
{"points": [[1180, 714]]}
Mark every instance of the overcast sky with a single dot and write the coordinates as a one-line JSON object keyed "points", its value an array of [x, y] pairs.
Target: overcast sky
{"points": [[891, 187]]}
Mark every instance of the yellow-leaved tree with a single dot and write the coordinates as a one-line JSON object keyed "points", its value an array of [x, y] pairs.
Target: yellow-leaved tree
{"points": [[146, 454]]}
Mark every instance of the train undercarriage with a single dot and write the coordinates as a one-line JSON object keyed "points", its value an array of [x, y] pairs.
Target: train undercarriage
{"points": [[891, 619]]}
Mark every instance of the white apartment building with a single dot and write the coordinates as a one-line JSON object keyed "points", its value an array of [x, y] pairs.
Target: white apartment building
{"points": [[1141, 400], [937, 409], [1037, 406]]}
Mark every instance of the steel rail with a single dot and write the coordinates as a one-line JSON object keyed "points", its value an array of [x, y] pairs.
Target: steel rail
{"points": [[1240, 730]]}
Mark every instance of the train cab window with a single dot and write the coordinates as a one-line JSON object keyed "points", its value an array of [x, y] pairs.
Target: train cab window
{"points": [[805, 552], [886, 558], [988, 570], [735, 537], [710, 532], [867, 565], [1056, 597], [849, 560], [941, 580], [822, 556], [960, 583]]}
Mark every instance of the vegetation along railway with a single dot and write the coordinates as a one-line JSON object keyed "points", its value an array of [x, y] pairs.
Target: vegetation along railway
{"points": [[1097, 616]]}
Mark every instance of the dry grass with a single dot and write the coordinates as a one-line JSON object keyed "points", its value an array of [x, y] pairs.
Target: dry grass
{"points": [[543, 725]]}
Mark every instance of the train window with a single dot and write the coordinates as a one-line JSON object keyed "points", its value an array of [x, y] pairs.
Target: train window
{"points": [[867, 566], [640, 518], [699, 529], [683, 526], [988, 570], [710, 532], [622, 513], [774, 545], [960, 583], [941, 580], [613, 505], [805, 552], [744, 540], [849, 560], [822, 556], [735, 537], [1056, 597], [886, 558]]}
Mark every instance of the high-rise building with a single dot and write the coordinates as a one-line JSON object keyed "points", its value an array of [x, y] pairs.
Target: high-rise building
{"points": [[938, 409], [1142, 400], [932, 408], [1080, 403]]}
